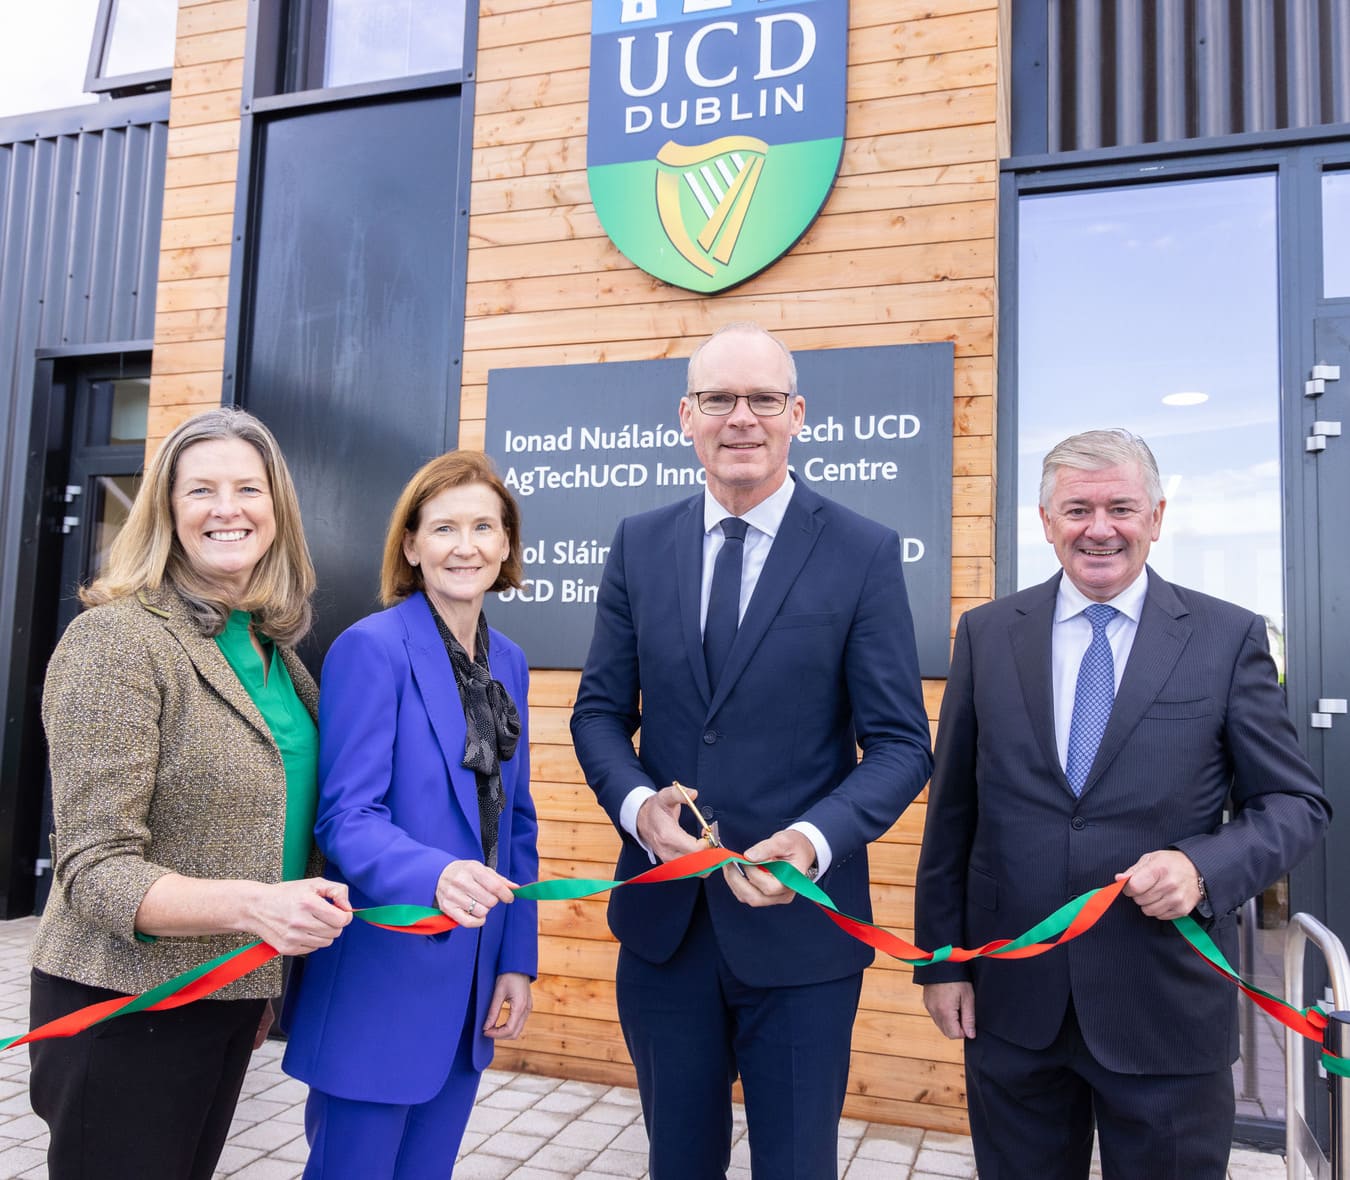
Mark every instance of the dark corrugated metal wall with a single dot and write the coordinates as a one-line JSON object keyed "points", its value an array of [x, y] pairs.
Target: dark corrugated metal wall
{"points": [[79, 257], [79, 239], [1156, 71]]}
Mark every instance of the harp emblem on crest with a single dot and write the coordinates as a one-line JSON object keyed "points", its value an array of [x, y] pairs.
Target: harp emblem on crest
{"points": [[714, 130], [703, 195]]}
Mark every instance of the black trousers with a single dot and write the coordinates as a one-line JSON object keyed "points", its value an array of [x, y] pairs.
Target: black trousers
{"points": [[1033, 1113], [149, 1095]]}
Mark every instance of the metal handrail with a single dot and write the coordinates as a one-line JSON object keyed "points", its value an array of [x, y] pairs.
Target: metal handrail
{"points": [[1301, 1146]]}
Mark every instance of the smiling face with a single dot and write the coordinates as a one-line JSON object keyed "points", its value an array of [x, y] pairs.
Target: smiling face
{"points": [[746, 457], [1101, 525], [222, 512], [459, 544]]}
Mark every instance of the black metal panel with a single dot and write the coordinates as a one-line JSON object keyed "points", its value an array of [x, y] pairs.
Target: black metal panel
{"points": [[79, 246], [1030, 92], [1090, 74], [354, 320]]}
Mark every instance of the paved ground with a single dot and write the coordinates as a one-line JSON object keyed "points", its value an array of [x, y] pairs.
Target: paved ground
{"points": [[524, 1127]]}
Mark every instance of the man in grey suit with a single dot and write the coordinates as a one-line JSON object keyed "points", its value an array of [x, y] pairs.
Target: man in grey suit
{"points": [[1095, 728]]}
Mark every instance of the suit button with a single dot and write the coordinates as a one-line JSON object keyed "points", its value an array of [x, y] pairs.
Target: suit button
{"points": [[710, 738], [1078, 823]]}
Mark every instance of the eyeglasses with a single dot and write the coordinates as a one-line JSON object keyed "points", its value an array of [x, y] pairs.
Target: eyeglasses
{"points": [[718, 404]]}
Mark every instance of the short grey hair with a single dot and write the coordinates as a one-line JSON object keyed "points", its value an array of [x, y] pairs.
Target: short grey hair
{"points": [[744, 328], [1095, 450]]}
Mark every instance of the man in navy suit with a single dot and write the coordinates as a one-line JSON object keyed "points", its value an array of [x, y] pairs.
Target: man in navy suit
{"points": [[758, 633], [1095, 728]]}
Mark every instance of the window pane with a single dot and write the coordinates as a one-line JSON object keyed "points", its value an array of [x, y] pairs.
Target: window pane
{"points": [[1335, 234], [130, 410], [118, 411], [141, 37], [1154, 307], [112, 495], [392, 39], [44, 53]]}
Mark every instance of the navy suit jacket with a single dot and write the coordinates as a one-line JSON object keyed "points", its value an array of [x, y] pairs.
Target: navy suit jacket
{"points": [[378, 1015], [1199, 723], [824, 660]]}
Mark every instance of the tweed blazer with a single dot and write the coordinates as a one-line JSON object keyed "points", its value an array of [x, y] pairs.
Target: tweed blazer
{"points": [[160, 763]]}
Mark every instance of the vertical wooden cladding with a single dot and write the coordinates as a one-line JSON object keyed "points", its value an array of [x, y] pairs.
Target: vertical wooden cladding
{"points": [[199, 191], [902, 252]]}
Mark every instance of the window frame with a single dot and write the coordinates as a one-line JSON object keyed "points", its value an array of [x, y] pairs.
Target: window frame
{"points": [[118, 85], [1297, 158], [284, 64]]}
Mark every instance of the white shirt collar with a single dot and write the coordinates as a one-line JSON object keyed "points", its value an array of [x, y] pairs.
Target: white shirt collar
{"points": [[766, 516], [1130, 601]]}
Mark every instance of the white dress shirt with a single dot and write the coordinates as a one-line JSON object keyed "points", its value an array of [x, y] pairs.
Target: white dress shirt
{"points": [[764, 519], [1069, 639]]}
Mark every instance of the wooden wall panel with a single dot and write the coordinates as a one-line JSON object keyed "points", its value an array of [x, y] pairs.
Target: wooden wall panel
{"points": [[199, 202], [904, 251]]}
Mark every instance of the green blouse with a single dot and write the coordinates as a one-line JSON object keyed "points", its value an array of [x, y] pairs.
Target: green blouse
{"points": [[292, 729]]}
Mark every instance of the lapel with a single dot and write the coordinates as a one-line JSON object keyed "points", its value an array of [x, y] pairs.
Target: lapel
{"points": [[305, 688], [689, 586], [436, 683], [205, 654], [1030, 637], [791, 547], [1158, 643]]}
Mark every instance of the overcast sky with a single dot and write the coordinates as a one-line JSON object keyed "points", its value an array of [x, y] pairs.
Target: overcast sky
{"points": [[44, 52], [44, 48]]}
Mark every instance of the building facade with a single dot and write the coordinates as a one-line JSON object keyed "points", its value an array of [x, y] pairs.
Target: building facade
{"points": [[1115, 212]]}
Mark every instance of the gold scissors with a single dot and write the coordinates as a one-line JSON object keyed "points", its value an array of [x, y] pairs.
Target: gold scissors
{"points": [[708, 833]]}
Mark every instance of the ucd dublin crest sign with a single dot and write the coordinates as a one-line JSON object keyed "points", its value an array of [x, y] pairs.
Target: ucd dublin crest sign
{"points": [[716, 128]]}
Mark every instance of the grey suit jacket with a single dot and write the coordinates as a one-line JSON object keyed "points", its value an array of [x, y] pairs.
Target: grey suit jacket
{"points": [[1199, 724], [160, 763]]}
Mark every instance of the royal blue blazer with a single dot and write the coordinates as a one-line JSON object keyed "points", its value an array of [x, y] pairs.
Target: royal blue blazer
{"points": [[377, 1016]]}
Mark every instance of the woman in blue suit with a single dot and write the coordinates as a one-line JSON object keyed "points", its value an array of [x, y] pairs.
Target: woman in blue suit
{"points": [[423, 799]]}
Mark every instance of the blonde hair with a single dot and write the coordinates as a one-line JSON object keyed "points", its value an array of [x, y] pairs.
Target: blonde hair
{"points": [[455, 469], [147, 553]]}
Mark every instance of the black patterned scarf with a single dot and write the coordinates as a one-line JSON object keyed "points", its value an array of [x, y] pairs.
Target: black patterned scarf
{"points": [[491, 728]]}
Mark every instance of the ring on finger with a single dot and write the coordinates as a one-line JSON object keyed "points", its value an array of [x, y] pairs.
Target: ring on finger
{"points": [[473, 905]]}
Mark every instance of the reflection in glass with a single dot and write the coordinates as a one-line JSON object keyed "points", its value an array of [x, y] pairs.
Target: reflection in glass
{"points": [[44, 53], [140, 37], [130, 410], [392, 39], [118, 411], [1127, 296], [112, 497], [1335, 234]]}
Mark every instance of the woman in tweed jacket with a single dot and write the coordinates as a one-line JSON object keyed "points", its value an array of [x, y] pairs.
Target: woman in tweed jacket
{"points": [[181, 732]]}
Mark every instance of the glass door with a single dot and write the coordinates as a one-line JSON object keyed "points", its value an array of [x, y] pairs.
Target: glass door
{"points": [[1327, 443], [1157, 307], [109, 415]]}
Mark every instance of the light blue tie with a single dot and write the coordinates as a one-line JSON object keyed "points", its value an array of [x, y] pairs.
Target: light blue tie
{"points": [[1093, 697]]}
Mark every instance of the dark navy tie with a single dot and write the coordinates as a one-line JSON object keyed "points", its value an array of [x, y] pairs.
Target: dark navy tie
{"points": [[1093, 697], [724, 600]]}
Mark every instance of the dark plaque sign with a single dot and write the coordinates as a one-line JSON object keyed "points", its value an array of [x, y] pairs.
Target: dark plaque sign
{"points": [[582, 446]]}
